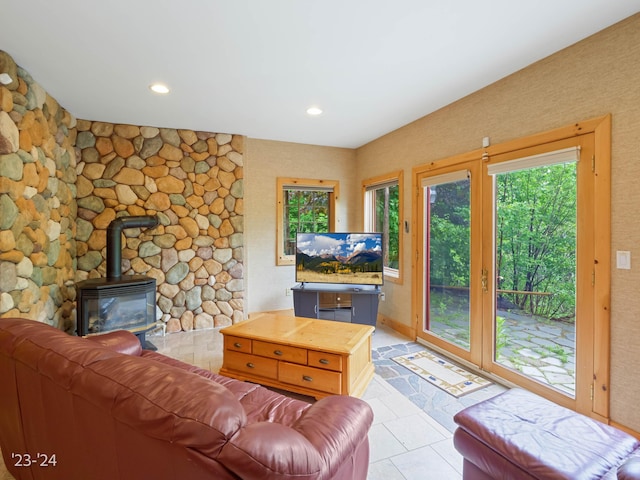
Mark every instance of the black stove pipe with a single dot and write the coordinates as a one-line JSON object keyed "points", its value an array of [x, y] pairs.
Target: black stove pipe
{"points": [[114, 240]]}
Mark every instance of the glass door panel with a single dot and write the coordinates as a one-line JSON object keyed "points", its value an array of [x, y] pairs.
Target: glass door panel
{"points": [[511, 271], [535, 273], [447, 209]]}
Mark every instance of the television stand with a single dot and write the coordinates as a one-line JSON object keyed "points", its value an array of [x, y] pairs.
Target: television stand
{"points": [[342, 303]]}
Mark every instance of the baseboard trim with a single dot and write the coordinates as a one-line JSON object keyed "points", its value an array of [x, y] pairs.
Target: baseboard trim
{"points": [[625, 429], [401, 328], [287, 312]]}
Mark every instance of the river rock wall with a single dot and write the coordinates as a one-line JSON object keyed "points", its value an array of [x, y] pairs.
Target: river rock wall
{"points": [[37, 202], [62, 181], [193, 182]]}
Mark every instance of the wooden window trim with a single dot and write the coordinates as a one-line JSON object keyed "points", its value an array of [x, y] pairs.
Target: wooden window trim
{"points": [[281, 183], [381, 180]]}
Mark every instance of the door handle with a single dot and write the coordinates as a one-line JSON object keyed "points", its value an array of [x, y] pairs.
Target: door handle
{"points": [[485, 280]]}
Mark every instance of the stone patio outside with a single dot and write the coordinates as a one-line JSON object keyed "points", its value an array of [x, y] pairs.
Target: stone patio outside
{"points": [[536, 347]]}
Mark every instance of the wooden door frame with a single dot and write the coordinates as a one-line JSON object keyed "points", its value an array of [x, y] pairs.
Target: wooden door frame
{"points": [[473, 355], [601, 128]]}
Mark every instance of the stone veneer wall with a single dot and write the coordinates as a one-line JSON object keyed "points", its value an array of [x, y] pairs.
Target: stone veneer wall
{"points": [[193, 181], [37, 202]]}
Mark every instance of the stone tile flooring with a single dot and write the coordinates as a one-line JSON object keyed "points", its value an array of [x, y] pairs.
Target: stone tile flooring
{"points": [[411, 437], [541, 349], [435, 402]]}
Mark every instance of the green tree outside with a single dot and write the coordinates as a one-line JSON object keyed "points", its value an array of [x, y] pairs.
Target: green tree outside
{"points": [[535, 238]]}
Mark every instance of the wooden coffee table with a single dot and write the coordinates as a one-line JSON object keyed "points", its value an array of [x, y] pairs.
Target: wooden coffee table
{"points": [[303, 355]]}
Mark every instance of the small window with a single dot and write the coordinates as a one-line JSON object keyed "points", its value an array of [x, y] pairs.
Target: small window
{"points": [[383, 213], [303, 206]]}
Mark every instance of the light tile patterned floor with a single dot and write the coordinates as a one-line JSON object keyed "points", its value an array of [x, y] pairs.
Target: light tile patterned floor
{"points": [[406, 443]]}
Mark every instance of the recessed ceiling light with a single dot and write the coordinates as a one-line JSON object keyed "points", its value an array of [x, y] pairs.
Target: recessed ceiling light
{"points": [[159, 88], [314, 111]]}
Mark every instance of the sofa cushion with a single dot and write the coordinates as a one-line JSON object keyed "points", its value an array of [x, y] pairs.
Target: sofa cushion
{"points": [[49, 351], [259, 403], [166, 404], [239, 389], [120, 341], [544, 439]]}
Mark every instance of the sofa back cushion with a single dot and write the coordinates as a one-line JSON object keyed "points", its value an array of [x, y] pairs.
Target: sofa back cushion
{"points": [[121, 341], [163, 401]]}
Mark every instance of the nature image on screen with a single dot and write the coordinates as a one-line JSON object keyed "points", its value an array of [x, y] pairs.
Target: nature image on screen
{"points": [[354, 258]]}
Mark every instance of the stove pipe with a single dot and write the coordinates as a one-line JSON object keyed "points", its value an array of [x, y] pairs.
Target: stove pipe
{"points": [[114, 240]]}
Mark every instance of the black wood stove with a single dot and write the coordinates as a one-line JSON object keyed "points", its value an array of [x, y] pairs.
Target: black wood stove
{"points": [[118, 302]]}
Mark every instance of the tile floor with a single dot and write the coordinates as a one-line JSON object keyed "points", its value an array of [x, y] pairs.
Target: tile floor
{"points": [[406, 443]]}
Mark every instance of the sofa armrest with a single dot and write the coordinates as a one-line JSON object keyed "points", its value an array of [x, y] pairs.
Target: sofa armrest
{"points": [[316, 446], [273, 451], [120, 341], [336, 425], [630, 469]]}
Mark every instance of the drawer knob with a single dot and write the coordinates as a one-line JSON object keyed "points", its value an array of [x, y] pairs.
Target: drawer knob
{"points": [[277, 352], [237, 345], [324, 361], [250, 365], [307, 378]]}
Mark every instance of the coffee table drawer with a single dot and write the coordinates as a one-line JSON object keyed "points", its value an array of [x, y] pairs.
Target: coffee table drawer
{"points": [[309, 377], [280, 352], [251, 364], [329, 361], [237, 344]]}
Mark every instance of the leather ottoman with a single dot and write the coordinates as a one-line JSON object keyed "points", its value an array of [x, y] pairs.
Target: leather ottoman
{"points": [[520, 435]]}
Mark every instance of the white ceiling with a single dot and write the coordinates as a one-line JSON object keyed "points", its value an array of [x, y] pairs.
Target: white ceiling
{"points": [[252, 67]]}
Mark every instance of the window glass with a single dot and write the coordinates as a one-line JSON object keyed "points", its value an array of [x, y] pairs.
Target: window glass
{"points": [[383, 213], [305, 211], [304, 205]]}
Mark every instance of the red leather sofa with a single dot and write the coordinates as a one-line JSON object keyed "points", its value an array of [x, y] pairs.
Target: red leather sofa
{"points": [[103, 408], [519, 435]]}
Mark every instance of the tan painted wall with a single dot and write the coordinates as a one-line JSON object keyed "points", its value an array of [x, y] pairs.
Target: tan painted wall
{"points": [[266, 160], [597, 76]]}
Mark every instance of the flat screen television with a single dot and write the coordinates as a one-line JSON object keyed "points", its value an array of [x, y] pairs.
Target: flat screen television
{"points": [[351, 258]]}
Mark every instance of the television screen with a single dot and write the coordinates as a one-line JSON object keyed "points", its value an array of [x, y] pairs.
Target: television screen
{"points": [[353, 258]]}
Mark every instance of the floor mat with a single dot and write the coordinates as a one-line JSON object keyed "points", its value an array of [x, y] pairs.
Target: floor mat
{"points": [[434, 401], [443, 374]]}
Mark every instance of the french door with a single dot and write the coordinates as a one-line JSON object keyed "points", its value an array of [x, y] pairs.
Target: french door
{"points": [[505, 277], [451, 218]]}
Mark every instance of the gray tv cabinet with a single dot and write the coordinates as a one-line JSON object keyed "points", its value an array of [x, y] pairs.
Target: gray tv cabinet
{"points": [[342, 303]]}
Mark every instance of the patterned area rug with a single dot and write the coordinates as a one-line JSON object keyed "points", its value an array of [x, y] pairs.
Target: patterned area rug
{"points": [[451, 378], [434, 401]]}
